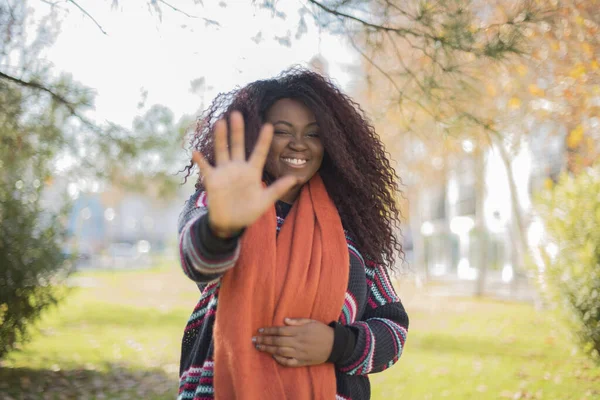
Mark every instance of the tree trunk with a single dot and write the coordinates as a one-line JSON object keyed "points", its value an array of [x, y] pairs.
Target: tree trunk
{"points": [[418, 241], [518, 224], [482, 237]]}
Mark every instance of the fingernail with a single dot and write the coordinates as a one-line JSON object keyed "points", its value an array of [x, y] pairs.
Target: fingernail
{"points": [[254, 339], [261, 330]]}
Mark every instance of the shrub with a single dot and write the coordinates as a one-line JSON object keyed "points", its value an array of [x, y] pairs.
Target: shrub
{"points": [[571, 215], [30, 257]]}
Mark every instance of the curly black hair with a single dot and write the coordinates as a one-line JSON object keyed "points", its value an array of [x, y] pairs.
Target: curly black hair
{"points": [[355, 169]]}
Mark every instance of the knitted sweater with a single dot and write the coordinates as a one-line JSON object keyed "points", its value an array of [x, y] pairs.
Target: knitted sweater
{"points": [[369, 335]]}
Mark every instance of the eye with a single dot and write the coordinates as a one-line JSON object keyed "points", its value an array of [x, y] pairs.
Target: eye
{"points": [[279, 132], [313, 134]]}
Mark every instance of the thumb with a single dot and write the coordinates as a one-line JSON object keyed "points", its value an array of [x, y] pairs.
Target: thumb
{"points": [[280, 187], [297, 321]]}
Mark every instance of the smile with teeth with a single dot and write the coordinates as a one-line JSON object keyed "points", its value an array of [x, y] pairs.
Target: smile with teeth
{"points": [[294, 161]]}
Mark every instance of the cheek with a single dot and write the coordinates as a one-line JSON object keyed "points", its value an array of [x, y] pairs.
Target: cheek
{"points": [[271, 165], [319, 152]]}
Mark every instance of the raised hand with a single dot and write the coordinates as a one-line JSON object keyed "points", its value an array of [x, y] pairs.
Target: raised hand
{"points": [[236, 196], [302, 342]]}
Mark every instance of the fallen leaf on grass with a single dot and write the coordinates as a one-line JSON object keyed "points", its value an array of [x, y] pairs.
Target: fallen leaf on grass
{"points": [[441, 371], [25, 382], [509, 339], [551, 340], [522, 374]]}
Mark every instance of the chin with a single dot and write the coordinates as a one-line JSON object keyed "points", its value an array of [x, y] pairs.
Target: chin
{"points": [[303, 177], [302, 174]]}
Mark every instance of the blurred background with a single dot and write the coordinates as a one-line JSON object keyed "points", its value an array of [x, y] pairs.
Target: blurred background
{"points": [[490, 111]]}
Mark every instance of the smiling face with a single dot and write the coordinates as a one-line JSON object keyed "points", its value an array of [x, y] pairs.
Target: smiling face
{"points": [[296, 148]]}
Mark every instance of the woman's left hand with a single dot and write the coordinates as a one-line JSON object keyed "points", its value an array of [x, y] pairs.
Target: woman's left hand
{"points": [[300, 343]]}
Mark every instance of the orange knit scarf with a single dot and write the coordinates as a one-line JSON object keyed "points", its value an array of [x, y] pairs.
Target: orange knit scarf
{"points": [[301, 273]]}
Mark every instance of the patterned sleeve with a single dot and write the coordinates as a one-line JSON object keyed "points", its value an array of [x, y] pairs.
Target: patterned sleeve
{"points": [[204, 256], [381, 334]]}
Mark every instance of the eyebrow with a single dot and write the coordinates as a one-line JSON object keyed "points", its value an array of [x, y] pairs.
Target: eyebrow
{"points": [[290, 125]]}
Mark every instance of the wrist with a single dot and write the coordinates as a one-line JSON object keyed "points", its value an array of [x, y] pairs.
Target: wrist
{"points": [[344, 342], [222, 233]]}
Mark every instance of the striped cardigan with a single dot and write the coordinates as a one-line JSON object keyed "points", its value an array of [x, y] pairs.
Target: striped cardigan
{"points": [[369, 335]]}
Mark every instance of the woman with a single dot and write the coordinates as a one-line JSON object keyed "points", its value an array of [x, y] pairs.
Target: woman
{"points": [[289, 236]]}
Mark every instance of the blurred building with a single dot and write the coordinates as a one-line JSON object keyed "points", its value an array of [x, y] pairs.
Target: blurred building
{"points": [[107, 226], [445, 239]]}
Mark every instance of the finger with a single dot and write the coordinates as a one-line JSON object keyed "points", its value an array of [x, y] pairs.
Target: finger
{"points": [[297, 321], [261, 150], [276, 331], [281, 341], [236, 123], [287, 362], [201, 162], [278, 188], [221, 150], [276, 351]]}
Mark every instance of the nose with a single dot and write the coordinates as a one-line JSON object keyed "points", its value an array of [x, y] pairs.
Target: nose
{"points": [[297, 144]]}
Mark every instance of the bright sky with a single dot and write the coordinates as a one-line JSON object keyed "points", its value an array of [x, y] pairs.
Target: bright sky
{"points": [[140, 52]]}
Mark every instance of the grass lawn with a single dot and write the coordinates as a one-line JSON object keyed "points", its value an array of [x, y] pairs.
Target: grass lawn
{"points": [[117, 337]]}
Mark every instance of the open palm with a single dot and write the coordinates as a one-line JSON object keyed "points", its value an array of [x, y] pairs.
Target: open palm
{"points": [[236, 195]]}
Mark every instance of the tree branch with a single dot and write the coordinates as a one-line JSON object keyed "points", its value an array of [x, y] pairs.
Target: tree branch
{"points": [[57, 97], [401, 93], [401, 61], [486, 51], [88, 15], [363, 22], [177, 9], [401, 11], [55, 3], [38, 86], [172, 7]]}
